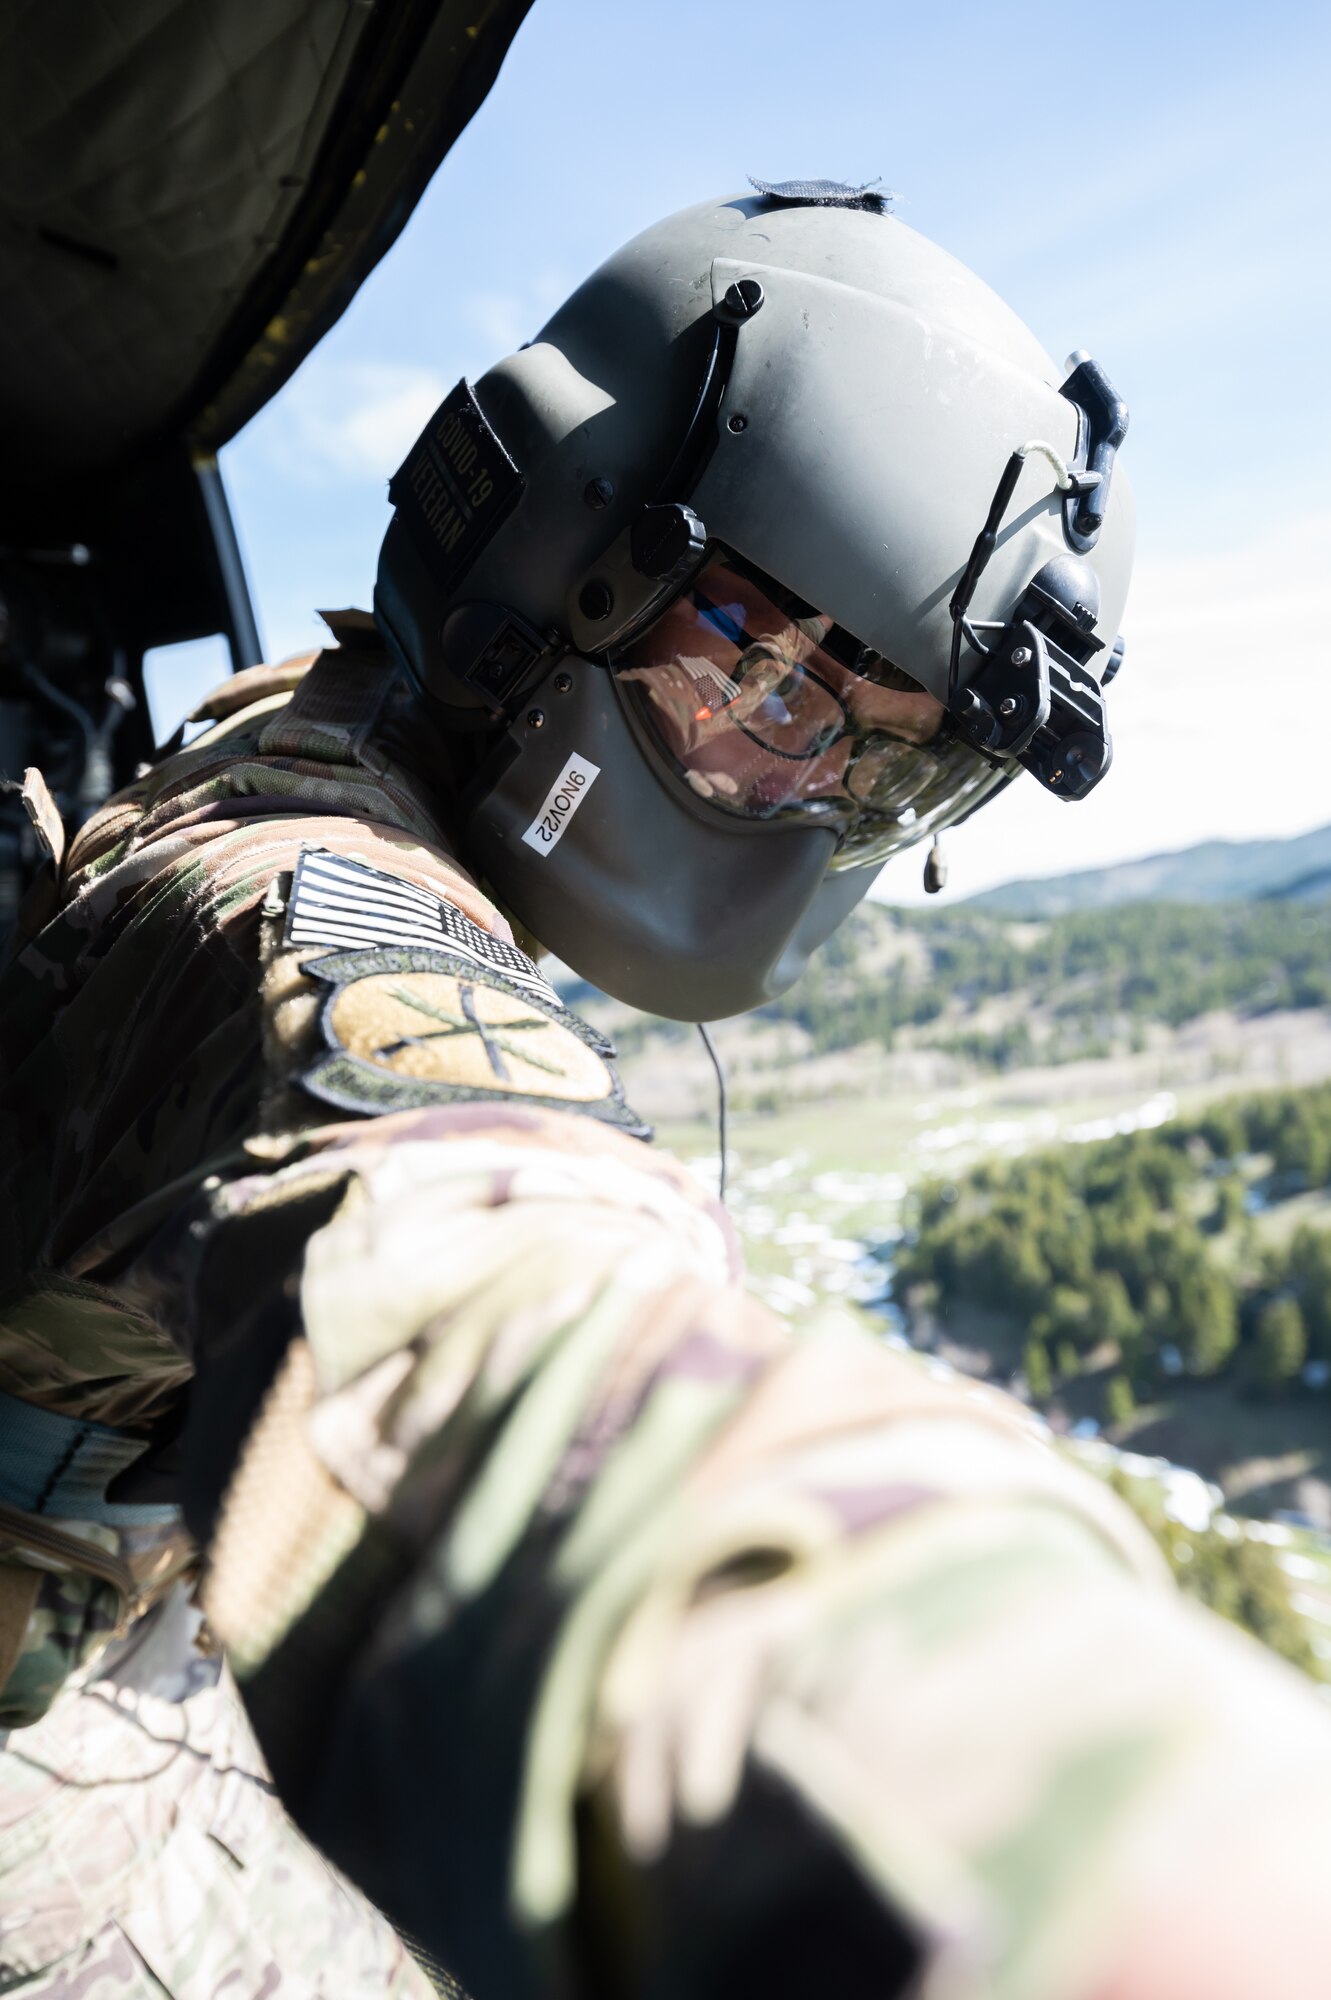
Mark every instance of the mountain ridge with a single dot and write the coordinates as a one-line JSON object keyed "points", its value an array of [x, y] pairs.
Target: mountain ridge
{"points": [[1212, 871]]}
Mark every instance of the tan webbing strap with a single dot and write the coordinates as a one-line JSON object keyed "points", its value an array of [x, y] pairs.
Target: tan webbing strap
{"points": [[44, 814], [18, 1594], [252, 684], [334, 708]]}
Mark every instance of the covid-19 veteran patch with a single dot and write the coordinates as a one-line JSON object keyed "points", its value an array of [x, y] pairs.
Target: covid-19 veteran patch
{"points": [[407, 1027]]}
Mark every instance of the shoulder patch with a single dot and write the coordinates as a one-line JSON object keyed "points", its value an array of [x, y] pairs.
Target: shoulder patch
{"points": [[349, 905], [407, 1027]]}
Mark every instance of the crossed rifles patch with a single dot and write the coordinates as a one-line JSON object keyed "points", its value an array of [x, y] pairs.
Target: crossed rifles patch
{"points": [[424, 1007], [407, 1027]]}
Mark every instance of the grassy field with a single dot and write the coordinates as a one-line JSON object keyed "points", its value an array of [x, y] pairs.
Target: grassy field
{"points": [[839, 1170]]}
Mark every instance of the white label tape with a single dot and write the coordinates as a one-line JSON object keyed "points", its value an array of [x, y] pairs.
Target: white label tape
{"points": [[560, 803]]}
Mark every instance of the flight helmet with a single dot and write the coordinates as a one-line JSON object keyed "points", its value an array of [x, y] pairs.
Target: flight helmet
{"points": [[781, 547]]}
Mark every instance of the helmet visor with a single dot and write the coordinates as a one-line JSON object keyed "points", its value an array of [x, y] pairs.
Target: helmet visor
{"points": [[770, 711]]}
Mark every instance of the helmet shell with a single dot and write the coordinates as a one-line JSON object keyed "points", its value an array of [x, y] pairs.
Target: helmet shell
{"points": [[871, 407]]}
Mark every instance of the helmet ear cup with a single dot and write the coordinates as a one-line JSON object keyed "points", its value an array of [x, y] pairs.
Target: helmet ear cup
{"points": [[409, 611], [666, 911]]}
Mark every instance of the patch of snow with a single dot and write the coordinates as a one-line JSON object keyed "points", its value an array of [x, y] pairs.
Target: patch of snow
{"points": [[1157, 1110], [1139, 1467], [784, 1294], [1189, 1499], [1310, 1607]]}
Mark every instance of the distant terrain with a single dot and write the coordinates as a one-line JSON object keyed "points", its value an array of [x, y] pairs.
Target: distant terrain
{"points": [[1004, 993], [1083, 1150], [1152, 993], [1215, 871]]}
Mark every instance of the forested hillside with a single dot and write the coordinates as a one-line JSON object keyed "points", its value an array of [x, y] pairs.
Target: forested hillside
{"points": [[1005, 993], [1145, 1257], [1172, 1286]]}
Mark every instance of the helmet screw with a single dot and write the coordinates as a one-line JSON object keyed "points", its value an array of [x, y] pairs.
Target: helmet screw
{"points": [[596, 600], [599, 493], [1008, 705], [1021, 656], [563, 682], [741, 302], [536, 718], [737, 423]]}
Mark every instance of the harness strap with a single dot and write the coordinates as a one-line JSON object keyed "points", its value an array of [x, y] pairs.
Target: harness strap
{"points": [[62, 1466], [18, 1594], [336, 704]]}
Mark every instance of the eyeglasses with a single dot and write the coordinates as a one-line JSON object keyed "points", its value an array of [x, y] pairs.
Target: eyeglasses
{"points": [[778, 702], [768, 710]]}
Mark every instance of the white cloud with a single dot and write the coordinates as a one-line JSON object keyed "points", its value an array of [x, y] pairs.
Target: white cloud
{"points": [[503, 319], [1220, 721], [353, 420], [506, 319], [350, 420]]}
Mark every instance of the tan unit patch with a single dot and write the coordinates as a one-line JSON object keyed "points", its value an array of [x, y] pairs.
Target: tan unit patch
{"points": [[408, 1027]]}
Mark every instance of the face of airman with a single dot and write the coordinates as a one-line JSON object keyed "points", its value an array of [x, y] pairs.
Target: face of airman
{"points": [[758, 712]]}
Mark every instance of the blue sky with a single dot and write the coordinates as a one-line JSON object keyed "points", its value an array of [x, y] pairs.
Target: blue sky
{"points": [[1150, 182]]}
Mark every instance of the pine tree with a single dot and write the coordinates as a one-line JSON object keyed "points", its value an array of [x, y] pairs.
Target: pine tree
{"points": [[1039, 1378], [1281, 1346]]}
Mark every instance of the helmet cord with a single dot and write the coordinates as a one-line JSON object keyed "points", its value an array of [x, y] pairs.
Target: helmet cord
{"points": [[987, 539], [720, 1105]]}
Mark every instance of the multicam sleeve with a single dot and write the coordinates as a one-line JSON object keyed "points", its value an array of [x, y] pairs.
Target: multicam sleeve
{"points": [[615, 1641], [618, 1645]]}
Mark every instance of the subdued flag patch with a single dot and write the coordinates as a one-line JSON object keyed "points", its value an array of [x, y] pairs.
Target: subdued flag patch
{"points": [[349, 905]]}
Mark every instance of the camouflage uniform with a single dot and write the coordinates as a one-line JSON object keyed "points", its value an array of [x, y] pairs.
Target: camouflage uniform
{"points": [[611, 1640]]}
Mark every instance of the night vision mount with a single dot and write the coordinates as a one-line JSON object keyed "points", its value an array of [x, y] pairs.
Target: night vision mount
{"points": [[1034, 698]]}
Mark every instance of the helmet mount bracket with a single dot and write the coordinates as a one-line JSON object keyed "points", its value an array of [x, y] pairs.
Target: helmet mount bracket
{"points": [[1032, 698], [496, 653], [1102, 425], [1033, 702]]}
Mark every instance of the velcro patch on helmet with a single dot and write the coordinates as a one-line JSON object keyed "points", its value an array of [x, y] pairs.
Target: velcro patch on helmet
{"points": [[455, 487], [407, 1028], [826, 194]]}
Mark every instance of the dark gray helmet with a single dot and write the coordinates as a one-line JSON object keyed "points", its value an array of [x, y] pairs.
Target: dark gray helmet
{"points": [[783, 546]]}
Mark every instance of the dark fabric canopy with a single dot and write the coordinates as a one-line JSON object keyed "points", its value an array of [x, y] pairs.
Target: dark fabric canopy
{"points": [[191, 192]]}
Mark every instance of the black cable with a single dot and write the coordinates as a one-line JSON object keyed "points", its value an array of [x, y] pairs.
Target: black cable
{"points": [[59, 699], [720, 1104], [977, 562]]}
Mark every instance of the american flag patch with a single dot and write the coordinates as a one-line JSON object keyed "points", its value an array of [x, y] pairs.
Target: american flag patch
{"points": [[350, 906]]}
